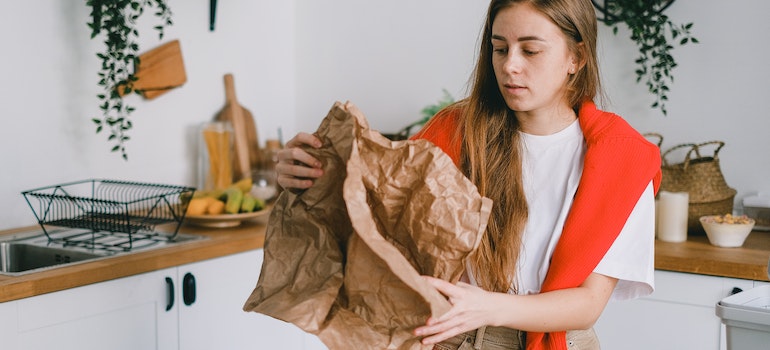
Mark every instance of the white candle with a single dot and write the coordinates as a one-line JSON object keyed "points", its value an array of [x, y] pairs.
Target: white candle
{"points": [[671, 224]]}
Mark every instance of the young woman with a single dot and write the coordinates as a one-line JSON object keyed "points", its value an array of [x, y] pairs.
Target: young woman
{"points": [[573, 187]]}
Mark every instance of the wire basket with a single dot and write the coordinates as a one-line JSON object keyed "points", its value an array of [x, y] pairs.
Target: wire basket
{"points": [[109, 206]]}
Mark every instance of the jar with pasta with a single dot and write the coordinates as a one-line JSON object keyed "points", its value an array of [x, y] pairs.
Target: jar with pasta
{"points": [[215, 155]]}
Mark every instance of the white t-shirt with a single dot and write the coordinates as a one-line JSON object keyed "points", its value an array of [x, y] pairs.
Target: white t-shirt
{"points": [[552, 166]]}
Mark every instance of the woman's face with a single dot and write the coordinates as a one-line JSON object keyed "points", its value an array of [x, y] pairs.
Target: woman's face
{"points": [[531, 60]]}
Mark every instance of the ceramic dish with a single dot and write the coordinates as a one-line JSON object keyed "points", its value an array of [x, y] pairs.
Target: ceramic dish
{"points": [[226, 220], [726, 234]]}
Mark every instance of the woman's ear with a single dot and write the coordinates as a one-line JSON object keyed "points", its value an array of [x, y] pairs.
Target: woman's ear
{"points": [[578, 58]]}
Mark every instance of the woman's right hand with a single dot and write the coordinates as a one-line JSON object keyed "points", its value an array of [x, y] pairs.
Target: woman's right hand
{"points": [[295, 168]]}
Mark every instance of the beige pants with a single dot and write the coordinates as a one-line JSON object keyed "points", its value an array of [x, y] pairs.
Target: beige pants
{"points": [[500, 338]]}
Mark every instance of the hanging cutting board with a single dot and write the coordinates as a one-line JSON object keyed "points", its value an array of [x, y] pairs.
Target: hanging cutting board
{"points": [[160, 70], [244, 130]]}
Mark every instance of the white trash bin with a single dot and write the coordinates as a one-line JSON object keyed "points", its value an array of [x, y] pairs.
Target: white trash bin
{"points": [[746, 316]]}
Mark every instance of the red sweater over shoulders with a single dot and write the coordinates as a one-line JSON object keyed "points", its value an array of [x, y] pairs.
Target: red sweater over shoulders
{"points": [[619, 164]]}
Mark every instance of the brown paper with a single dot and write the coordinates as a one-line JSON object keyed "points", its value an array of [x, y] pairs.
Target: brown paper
{"points": [[343, 259]]}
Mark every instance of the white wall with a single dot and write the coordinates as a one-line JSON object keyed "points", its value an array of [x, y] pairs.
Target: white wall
{"points": [[719, 92], [293, 59], [49, 87], [393, 57], [390, 58]]}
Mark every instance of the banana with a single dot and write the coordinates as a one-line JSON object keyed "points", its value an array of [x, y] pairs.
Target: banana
{"points": [[215, 207], [197, 206], [234, 199], [244, 184]]}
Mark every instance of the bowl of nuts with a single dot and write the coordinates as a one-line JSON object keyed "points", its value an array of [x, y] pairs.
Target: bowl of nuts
{"points": [[727, 230]]}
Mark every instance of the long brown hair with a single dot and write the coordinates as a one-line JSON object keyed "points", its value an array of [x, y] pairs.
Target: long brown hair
{"points": [[491, 154]]}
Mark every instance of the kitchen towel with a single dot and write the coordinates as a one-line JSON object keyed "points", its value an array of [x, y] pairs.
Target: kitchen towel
{"points": [[343, 259]]}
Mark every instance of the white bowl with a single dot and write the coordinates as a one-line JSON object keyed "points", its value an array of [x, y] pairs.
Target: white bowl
{"points": [[724, 234]]}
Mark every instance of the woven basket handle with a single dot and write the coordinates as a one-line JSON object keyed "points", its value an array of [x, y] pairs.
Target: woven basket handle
{"points": [[655, 135], [693, 147], [719, 144]]}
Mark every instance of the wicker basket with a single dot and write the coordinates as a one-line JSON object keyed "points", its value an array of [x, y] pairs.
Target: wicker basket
{"points": [[701, 177]]}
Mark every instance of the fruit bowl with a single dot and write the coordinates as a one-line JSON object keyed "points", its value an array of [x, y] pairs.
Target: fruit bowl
{"points": [[226, 220], [726, 230]]}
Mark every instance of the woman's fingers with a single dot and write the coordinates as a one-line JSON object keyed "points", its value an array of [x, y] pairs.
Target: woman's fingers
{"points": [[295, 167], [469, 310], [439, 332], [447, 289], [303, 138], [296, 176], [296, 155]]}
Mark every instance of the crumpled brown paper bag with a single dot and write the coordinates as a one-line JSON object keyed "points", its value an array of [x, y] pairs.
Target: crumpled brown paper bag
{"points": [[343, 259]]}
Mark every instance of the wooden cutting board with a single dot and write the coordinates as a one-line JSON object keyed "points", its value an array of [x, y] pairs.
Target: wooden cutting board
{"points": [[244, 130], [160, 70]]}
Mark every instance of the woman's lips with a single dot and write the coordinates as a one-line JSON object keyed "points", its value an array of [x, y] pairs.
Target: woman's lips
{"points": [[514, 88]]}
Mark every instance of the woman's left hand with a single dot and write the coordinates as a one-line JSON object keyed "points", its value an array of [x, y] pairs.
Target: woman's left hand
{"points": [[471, 309]]}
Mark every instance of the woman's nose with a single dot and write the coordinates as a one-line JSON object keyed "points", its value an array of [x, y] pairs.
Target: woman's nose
{"points": [[512, 63]]}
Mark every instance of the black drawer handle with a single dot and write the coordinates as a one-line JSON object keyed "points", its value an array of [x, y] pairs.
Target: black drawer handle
{"points": [[170, 293], [188, 289]]}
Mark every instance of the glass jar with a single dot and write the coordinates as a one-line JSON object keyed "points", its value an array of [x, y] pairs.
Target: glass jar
{"points": [[215, 155], [264, 178]]}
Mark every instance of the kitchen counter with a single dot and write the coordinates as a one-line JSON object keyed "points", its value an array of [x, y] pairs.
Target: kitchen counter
{"points": [[219, 242], [695, 255]]}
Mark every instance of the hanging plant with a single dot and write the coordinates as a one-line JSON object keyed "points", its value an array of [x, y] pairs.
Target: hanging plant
{"points": [[651, 30], [116, 21]]}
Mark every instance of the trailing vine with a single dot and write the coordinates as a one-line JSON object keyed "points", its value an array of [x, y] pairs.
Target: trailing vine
{"points": [[650, 30], [116, 21]]}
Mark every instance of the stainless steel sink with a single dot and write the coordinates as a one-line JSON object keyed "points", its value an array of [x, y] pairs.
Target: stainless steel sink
{"points": [[37, 251], [20, 257]]}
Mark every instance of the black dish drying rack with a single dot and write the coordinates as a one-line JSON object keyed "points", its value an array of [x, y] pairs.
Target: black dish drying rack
{"points": [[130, 210]]}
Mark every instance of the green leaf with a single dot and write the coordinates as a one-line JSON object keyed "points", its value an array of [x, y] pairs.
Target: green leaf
{"points": [[650, 31], [116, 20]]}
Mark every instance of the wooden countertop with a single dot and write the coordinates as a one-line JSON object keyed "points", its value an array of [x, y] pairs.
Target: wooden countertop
{"points": [[695, 255], [219, 242]]}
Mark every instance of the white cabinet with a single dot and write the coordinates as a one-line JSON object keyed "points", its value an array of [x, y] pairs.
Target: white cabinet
{"points": [[216, 319], [138, 312], [678, 315], [128, 313], [9, 324]]}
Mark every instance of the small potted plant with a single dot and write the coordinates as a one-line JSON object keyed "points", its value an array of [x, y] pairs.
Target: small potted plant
{"points": [[428, 112]]}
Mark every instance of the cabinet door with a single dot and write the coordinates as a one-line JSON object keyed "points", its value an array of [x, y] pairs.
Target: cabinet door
{"points": [[680, 314], [123, 314], [9, 314], [216, 320]]}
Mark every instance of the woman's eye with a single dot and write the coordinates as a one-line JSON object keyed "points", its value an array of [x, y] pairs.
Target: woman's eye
{"points": [[531, 52], [500, 50]]}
